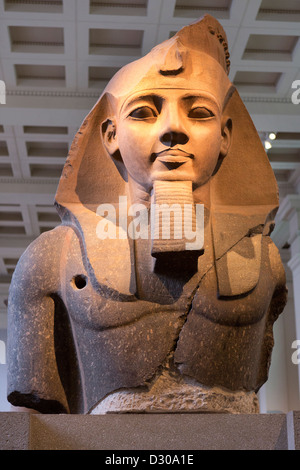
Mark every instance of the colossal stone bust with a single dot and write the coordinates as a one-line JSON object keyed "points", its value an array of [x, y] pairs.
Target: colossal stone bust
{"points": [[105, 318]]}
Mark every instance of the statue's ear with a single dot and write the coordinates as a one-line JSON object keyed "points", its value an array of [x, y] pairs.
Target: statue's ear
{"points": [[109, 136], [110, 142], [226, 129]]}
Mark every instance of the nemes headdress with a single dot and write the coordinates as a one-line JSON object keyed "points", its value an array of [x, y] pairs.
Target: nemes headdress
{"points": [[244, 195]]}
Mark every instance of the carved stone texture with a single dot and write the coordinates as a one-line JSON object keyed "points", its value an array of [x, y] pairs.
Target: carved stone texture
{"points": [[113, 312]]}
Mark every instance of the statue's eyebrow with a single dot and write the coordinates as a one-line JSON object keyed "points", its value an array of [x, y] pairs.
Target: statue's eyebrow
{"points": [[200, 97], [136, 100]]}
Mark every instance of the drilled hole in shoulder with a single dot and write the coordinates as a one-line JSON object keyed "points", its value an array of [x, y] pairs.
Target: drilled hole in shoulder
{"points": [[79, 281]]}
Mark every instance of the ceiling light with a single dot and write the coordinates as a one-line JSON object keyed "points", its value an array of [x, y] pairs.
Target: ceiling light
{"points": [[272, 136], [268, 145]]}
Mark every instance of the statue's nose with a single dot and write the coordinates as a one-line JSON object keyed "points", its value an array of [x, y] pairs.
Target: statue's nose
{"points": [[173, 131], [172, 138]]}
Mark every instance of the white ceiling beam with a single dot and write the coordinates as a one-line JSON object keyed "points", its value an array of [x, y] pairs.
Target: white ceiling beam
{"points": [[276, 115], [12, 246], [62, 110], [17, 191]]}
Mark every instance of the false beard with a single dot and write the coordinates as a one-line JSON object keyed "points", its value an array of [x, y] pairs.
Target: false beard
{"points": [[177, 225]]}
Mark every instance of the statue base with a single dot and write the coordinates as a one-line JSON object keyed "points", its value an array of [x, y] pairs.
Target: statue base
{"points": [[184, 399], [142, 431], [171, 391]]}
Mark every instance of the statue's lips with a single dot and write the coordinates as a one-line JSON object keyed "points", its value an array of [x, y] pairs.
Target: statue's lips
{"points": [[174, 156]]}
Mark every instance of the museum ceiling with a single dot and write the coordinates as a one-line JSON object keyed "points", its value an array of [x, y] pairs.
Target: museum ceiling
{"points": [[56, 57]]}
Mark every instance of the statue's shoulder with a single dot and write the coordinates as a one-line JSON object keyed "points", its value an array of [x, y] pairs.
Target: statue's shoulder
{"points": [[40, 262], [48, 244]]}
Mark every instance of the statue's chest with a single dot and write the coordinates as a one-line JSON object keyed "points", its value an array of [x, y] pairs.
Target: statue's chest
{"points": [[96, 299], [177, 285], [97, 306]]}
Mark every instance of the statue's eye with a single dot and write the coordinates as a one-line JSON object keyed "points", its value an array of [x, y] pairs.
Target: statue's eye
{"points": [[144, 112], [200, 113]]}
